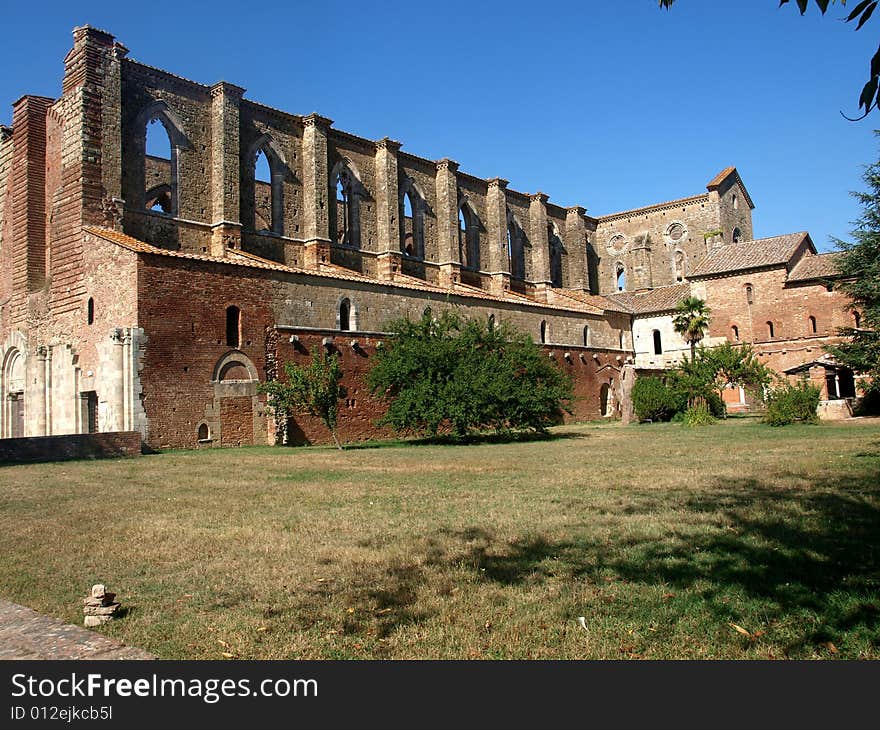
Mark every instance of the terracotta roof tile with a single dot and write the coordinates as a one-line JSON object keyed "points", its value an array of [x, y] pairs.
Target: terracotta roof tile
{"points": [[596, 302], [764, 252], [820, 266], [243, 258], [661, 299]]}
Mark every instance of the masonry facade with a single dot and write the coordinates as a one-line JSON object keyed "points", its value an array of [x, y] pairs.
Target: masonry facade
{"points": [[151, 288]]}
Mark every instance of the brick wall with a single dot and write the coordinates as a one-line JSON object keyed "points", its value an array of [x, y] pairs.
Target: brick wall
{"points": [[65, 448]]}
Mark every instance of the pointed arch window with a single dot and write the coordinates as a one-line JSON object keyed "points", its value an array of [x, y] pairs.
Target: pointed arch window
{"points": [[268, 173], [658, 343], [412, 222], [468, 237], [515, 247], [586, 335], [544, 331], [770, 330], [346, 193], [158, 143], [346, 315], [620, 277], [811, 325], [737, 235], [557, 249], [734, 331]]}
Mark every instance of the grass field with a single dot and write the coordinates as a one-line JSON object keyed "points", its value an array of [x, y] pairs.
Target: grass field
{"points": [[732, 541]]}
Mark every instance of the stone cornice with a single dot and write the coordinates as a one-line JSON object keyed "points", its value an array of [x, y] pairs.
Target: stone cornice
{"points": [[702, 198], [539, 197], [316, 120], [447, 164], [576, 210], [498, 182], [164, 77], [386, 143], [228, 89]]}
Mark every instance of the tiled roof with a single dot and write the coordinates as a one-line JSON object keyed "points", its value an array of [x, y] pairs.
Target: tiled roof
{"points": [[820, 266], [757, 254], [243, 258], [597, 302], [662, 299]]}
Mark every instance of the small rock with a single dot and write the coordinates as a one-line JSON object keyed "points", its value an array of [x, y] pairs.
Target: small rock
{"points": [[98, 590], [101, 610]]}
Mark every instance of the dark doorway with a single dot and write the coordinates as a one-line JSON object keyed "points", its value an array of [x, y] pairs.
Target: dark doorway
{"points": [[90, 411], [16, 414]]}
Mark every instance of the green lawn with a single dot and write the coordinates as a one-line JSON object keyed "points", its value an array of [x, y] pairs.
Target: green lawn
{"points": [[665, 539]]}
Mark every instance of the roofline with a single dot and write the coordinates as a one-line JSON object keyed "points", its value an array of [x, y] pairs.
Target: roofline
{"points": [[716, 181]]}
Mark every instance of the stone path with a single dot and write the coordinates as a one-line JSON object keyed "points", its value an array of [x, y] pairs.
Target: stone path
{"points": [[26, 634]]}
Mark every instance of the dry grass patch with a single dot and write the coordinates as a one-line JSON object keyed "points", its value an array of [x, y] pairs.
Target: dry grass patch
{"points": [[667, 541]]}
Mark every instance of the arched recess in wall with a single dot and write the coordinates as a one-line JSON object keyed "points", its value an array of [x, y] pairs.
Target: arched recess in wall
{"points": [[557, 251], [468, 235], [679, 264], [234, 367], [516, 243], [346, 315], [544, 331], [586, 335], [160, 179], [812, 328], [346, 193], [267, 160], [619, 276], [413, 206], [12, 385]]}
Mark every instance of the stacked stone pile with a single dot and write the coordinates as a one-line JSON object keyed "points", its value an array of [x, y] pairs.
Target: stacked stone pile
{"points": [[99, 607]]}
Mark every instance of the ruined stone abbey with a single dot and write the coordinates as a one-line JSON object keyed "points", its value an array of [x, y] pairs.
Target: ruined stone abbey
{"points": [[152, 290]]}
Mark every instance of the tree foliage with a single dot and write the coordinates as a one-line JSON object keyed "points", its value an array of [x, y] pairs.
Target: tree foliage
{"points": [[455, 375], [653, 400], [859, 265], [314, 388], [788, 403], [861, 13], [691, 320]]}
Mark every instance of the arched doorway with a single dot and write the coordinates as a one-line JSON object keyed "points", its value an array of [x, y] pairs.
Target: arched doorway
{"points": [[603, 399], [13, 394]]}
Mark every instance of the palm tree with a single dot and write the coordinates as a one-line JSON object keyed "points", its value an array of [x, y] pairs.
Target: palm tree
{"points": [[691, 321]]}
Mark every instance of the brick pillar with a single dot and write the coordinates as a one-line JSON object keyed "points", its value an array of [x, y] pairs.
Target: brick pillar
{"points": [[111, 137], [387, 196], [496, 225], [642, 277], [447, 222], [540, 244], [225, 167], [85, 73], [28, 200], [576, 245], [316, 227]]}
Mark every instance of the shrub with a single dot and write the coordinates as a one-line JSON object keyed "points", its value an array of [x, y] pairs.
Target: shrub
{"points": [[653, 400], [698, 415], [789, 403], [456, 375]]}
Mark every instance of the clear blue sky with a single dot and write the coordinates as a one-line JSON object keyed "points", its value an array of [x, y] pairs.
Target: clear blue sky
{"points": [[609, 105]]}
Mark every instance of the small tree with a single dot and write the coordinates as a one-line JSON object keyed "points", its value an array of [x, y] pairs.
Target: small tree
{"points": [[466, 375], [314, 388], [691, 320], [859, 265]]}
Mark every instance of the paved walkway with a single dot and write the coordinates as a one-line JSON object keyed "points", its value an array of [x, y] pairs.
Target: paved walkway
{"points": [[26, 634]]}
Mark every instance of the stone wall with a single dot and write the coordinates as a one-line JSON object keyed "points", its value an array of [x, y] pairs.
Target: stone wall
{"points": [[65, 448]]}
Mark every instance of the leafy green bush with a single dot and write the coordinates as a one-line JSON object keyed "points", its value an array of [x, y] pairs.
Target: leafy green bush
{"points": [[788, 403], [698, 415], [460, 376], [869, 403], [653, 400]]}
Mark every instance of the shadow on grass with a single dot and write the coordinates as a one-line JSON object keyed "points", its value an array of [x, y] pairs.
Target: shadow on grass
{"points": [[474, 440], [808, 557]]}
